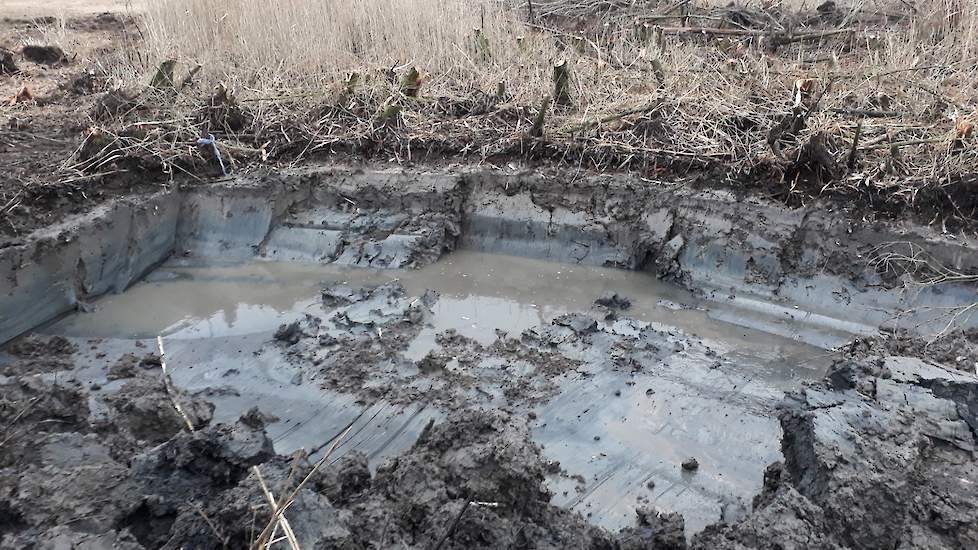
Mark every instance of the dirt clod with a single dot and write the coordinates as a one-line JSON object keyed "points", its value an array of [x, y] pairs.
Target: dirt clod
{"points": [[43, 54], [114, 103], [40, 346], [37, 354], [613, 300], [7, 63], [143, 408], [289, 334], [654, 529]]}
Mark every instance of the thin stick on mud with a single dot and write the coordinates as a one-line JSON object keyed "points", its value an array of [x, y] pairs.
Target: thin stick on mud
{"points": [[210, 523], [922, 270], [453, 526], [278, 511], [458, 518], [7, 437], [283, 522], [168, 384]]}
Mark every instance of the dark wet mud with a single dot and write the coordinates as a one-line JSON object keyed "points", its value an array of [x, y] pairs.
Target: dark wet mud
{"points": [[623, 376], [878, 455], [720, 394]]}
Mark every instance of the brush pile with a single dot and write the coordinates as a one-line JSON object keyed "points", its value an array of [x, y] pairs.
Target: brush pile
{"points": [[874, 102]]}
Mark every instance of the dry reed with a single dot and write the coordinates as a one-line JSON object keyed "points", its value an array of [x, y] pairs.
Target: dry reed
{"points": [[649, 80]]}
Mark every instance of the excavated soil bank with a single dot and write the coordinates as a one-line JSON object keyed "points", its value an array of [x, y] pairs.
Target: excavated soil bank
{"points": [[495, 360]]}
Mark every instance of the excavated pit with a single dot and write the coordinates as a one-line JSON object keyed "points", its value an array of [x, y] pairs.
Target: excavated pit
{"points": [[627, 327], [619, 402]]}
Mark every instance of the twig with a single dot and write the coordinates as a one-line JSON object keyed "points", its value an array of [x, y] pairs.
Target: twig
{"points": [[20, 413], [287, 501], [779, 38], [938, 95], [451, 528], [458, 518], [168, 385], [213, 526], [11, 203], [647, 108], [865, 112], [851, 163], [282, 520], [923, 141]]}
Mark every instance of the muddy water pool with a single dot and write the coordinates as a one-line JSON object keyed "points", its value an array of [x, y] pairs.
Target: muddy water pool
{"points": [[479, 294], [698, 387]]}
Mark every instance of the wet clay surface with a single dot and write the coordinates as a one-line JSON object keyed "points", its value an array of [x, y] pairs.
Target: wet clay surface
{"points": [[481, 401], [473, 482], [879, 454], [620, 391]]}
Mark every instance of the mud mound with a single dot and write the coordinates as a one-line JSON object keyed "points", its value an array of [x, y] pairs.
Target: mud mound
{"points": [[77, 484], [473, 482], [31, 407], [782, 519], [880, 455], [357, 344], [655, 529], [479, 463], [44, 54], [38, 354], [143, 408], [40, 346], [958, 348], [73, 482], [363, 339], [196, 468]]}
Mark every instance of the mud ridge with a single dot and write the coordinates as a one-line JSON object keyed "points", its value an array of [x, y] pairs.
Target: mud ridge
{"points": [[880, 455], [473, 482]]}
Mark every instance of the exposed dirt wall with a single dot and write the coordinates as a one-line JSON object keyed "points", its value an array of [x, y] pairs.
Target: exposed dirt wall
{"points": [[810, 265]]}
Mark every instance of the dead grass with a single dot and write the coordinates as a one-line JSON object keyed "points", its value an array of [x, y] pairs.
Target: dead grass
{"points": [[781, 90], [918, 270]]}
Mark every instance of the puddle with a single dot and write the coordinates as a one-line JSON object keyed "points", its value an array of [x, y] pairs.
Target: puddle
{"points": [[698, 386], [479, 294]]}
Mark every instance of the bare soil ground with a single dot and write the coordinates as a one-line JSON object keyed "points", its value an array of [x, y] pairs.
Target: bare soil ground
{"points": [[46, 110], [880, 454]]}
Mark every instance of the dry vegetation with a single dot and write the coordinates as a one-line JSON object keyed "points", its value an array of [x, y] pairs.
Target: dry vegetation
{"points": [[869, 98]]}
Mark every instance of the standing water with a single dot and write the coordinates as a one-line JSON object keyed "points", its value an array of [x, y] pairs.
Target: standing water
{"points": [[620, 396]]}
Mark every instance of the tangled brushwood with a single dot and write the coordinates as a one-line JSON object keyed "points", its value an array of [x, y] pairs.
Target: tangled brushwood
{"points": [[871, 100]]}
